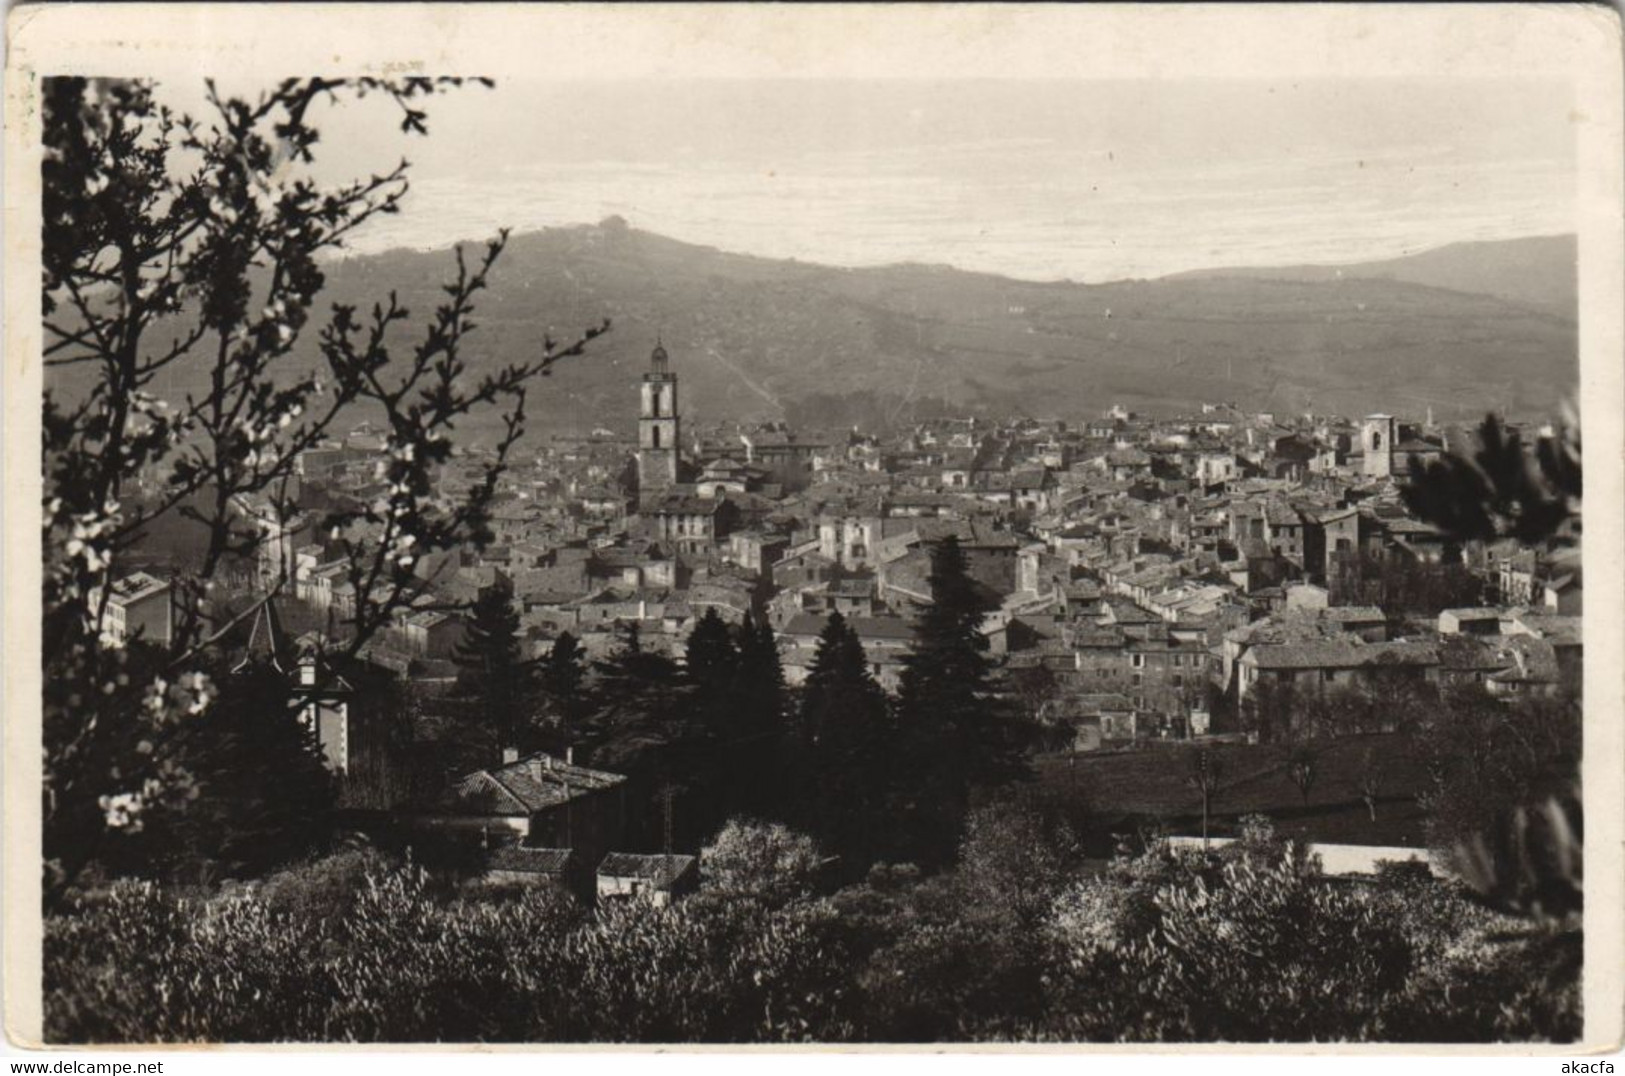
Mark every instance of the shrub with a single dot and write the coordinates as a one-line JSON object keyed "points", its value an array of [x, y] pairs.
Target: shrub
{"points": [[761, 860], [1258, 950]]}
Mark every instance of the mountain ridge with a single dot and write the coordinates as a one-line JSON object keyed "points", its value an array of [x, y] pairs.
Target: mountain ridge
{"points": [[760, 338]]}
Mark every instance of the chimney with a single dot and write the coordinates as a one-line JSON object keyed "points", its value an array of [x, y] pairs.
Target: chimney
{"points": [[510, 755], [569, 756], [539, 764]]}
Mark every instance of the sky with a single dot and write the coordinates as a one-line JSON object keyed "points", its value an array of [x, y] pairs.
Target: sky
{"points": [[1042, 179]]}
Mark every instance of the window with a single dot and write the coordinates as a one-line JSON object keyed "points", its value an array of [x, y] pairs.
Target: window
{"points": [[1179, 660], [1138, 678], [654, 437], [1137, 660], [1328, 676], [1179, 681]]}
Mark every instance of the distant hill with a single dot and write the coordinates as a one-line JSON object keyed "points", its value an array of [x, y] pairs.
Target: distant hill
{"points": [[761, 338], [1541, 270]]}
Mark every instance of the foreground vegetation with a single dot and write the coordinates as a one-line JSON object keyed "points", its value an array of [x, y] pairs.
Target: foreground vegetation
{"points": [[1015, 943]]}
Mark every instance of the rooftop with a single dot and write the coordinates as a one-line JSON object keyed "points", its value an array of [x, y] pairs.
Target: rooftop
{"points": [[660, 869], [531, 784]]}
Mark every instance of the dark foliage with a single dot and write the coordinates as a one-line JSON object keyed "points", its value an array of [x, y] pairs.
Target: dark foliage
{"points": [[1502, 489], [175, 245], [261, 798], [956, 729], [492, 666], [845, 745]]}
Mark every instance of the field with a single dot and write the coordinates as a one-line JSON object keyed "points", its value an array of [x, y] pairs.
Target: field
{"points": [[1120, 792]]}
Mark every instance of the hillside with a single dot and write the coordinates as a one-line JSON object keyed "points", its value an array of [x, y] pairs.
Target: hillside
{"points": [[759, 338], [1540, 270]]}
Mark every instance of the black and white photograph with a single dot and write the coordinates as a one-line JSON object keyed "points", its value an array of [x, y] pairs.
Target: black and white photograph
{"points": [[838, 550]]}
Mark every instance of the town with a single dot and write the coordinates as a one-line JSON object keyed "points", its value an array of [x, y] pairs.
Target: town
{"points": [[1073, 563], [1146, 581]]}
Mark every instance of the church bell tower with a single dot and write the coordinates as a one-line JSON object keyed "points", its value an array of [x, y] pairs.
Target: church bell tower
{"points": [[658, 425]]}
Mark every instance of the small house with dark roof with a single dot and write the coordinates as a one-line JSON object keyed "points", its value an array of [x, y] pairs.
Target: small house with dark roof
{"points": [[1479, 621], [519, 863], [1322, 665], [538, 801], [659, 879]]}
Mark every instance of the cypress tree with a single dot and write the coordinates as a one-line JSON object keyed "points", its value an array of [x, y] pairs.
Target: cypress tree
{"points": [[561, 677], [958, 730], [761, 677], [844, 735], [711, 657], [493, 666], [756, 758]]}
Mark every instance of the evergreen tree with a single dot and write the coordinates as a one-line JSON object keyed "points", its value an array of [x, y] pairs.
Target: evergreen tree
{"points": [[261, 797], [711, 661], [711, 657], [958, 731], [492, 666], [757, 755], [640, 710], [761, 677], [561, 677], [844, 745]]}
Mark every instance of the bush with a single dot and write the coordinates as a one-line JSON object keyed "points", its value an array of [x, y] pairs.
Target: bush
{"points": [[402, 960], [1161, 947], [761, 860], [1257, 950]]}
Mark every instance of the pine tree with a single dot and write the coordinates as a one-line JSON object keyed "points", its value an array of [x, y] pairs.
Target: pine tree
{"points": [[262, 795], [494, 667], [757, 756], [640, 709], [958, 731], [844, 745], [760, 680], [561, 677], [711, 657]]}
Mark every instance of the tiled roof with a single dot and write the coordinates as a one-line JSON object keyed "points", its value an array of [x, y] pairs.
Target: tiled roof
{"points": [[1341, 655], [136, 586], [522, 860], [659, 869], [529, 785], [868, 628]]}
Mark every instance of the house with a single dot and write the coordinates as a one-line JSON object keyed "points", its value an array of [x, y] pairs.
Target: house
{"points": [[756, 552], [1325, 665], [538, 801], [659, 879], [1516, 578], [429, 633], [1094, 720], [1530, 667], [885, 639], [138, 605], [1561, 594], [1033, 489], [689, 522], [517, 863], [1470, 622], [785, 459]]}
